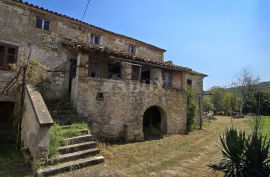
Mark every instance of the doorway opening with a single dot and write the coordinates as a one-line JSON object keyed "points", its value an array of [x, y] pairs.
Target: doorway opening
{"points": [[72, 72], [6, 114], [153, 123]]}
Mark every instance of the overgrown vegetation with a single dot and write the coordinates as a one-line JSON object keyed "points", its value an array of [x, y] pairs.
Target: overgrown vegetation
{"points": [[242, 97], [12, 163], [244, 156], [58, 134], [264, 125], [191, 109], [28, 71]]}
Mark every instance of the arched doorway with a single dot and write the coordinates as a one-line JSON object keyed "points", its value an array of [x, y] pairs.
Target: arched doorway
{"points": [[154, 124]]}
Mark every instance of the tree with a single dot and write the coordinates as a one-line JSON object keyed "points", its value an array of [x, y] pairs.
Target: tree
{"points": [[217, 96], [207, 105], [245, 85]]}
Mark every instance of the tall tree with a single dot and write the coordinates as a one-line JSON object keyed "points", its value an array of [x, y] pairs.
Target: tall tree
{"points": [[245, 84]]}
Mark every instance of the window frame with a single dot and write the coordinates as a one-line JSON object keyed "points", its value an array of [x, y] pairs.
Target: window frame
{"points": [[93, 37], [131, 49], [189, 83], [5, 65], [168, 84], [43, 20]]}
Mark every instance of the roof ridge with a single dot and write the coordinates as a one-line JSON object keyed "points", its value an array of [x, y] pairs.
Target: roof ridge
{"points": [[85, 23]]}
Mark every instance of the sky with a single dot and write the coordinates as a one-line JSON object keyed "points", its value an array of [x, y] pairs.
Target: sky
{"points": [[215, 37]]}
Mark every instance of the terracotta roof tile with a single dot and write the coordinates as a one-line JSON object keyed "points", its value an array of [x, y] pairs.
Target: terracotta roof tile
{"points": [[77, 45]]}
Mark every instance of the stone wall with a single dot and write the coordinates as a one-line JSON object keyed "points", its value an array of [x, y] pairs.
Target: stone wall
{"points": [[125, 101], [18, 28], [36, 123]]}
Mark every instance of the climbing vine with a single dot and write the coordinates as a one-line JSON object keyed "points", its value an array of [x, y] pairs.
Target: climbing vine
{"points": [[191, 108]]}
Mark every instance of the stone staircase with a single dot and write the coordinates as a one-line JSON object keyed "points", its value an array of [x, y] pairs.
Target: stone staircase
{"points": [[63, 113], [75, 152]]}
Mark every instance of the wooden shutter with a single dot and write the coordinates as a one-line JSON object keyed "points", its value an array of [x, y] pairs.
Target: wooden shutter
{"points": [[8, 55], [2, 55]]}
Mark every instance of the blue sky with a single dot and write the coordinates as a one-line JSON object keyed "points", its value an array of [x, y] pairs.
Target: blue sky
{"points": [[216, 37]]}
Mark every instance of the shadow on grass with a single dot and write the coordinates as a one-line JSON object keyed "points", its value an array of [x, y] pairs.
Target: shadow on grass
{"points": [[12, 163]]}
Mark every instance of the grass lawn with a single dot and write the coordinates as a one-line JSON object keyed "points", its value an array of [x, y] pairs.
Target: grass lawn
{"points": [[175, 155], [265, 125]]}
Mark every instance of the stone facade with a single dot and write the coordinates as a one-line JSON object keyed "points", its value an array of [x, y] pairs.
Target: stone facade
{"points": [[115, 106]]}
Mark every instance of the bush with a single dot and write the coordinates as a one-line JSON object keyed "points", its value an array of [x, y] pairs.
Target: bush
{"points": [[244, 156]]}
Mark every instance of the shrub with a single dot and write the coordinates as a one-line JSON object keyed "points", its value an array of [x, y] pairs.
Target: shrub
{"points": [[244, 156]]}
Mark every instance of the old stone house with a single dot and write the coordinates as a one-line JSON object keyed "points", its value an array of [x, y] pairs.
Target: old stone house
{"points": [[122, 85]]}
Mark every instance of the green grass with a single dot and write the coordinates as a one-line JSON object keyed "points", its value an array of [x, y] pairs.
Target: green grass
{"points": [[58, 135], [12, 163], [265, 125]]}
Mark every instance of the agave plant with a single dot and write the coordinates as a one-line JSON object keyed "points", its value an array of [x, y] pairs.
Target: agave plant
{"points": [[244, 156], [256, 161], [233, 144]]}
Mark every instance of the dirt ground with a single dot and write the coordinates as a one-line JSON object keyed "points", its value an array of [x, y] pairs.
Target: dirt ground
{"points": [[175, 155]]}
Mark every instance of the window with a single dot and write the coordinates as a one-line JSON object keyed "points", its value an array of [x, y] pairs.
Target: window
{"points": [[100, 96], [95, 39], [43, 24], [8, 55], [114, 71], [145, 75], [136, 72], [131, 49], [189, 82], [94, 70], [167, 79]]}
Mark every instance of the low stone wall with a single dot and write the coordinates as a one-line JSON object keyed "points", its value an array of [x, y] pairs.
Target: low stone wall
{"points": [[36, 123]]}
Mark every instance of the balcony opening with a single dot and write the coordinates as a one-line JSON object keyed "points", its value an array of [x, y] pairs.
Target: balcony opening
{"points": [[145, 75], [114, 71]]}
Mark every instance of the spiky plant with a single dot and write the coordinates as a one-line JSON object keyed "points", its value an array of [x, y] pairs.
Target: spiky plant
{"points": [[244, 156], [233, 144]]}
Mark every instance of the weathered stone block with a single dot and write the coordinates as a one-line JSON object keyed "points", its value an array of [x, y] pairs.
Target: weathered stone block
{"points": [[133, 132]]}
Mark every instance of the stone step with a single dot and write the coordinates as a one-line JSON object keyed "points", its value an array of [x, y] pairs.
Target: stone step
{"points": [[65, 127], [59, 107], [59, 100], [78, 133], [76, 147], [69, 166], [78, 139], [74, 156], [63, 116], [66, 112], [81, 132], [59, 104]]}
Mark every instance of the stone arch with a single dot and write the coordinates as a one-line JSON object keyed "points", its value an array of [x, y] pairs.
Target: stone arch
{"points": [[154, 122]]}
